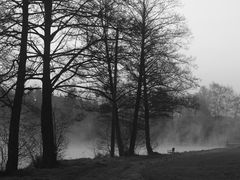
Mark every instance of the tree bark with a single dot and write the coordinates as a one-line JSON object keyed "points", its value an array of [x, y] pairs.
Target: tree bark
{"points": [[139, 88], [13, 141], [146, 116], [137, 103], [135, 118], [112, 150], [118, 128], [119, 134], [110, 77], [48, 139]]}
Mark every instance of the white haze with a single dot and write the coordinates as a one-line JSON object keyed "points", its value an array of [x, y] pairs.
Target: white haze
{"points": [[215, 27], [188, 132]]}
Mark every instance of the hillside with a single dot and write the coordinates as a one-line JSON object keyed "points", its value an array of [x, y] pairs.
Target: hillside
{"points": [[220, 164]]}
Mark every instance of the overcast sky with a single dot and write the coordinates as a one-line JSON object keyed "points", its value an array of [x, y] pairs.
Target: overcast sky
{"points": [[215, 25]]}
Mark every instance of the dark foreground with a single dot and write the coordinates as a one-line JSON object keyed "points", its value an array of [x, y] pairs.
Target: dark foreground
{"points": [[219, 164]]}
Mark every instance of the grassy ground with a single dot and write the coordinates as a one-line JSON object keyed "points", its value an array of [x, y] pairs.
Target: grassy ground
{"points": [[219, 164]]}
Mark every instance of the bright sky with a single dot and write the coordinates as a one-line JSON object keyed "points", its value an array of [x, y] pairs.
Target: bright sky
{"points": [[215, 25]]}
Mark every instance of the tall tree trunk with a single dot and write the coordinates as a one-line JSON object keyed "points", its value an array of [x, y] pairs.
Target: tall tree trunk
{"points": [[135, 118], [48, 138], [146, 116], [137, 103], [12, 163], [113, 128], [118, 133], [118, 128], [139, 88], [109, 68]]}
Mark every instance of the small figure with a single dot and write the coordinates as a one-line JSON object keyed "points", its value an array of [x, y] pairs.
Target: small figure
{"points": [[171, 151]]}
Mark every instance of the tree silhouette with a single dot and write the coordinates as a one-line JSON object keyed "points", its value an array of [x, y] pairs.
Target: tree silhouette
{"points": [[13, 141]]}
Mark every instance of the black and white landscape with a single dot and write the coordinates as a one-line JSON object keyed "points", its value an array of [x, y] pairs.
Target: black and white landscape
{"points": [[119, 89]]}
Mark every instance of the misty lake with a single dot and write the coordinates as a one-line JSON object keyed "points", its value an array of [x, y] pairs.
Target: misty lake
{"points": [[82, 142], [87, 150]]}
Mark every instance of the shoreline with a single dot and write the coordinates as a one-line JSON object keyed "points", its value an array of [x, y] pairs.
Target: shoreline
{"points": [[219, 163]]}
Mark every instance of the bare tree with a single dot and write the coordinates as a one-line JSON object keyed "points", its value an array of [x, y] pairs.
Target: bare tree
{"points": [[156, 61], [12, 162], [110, 25], [102, 74], [63, 34]]}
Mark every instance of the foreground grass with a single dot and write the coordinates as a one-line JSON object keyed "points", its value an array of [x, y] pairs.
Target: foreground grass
{"points": [[219, 164]]}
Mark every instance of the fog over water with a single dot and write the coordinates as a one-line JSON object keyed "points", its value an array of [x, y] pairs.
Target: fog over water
{"points": [[184, 134]]}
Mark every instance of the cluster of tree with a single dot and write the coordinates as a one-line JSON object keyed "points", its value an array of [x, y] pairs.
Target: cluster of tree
{"points": [[125, 53], [221, 101], [213, 120]]}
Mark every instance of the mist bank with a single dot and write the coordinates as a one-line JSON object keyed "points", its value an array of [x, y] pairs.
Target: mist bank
{"points": [[213, 122], [190, 130]]}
